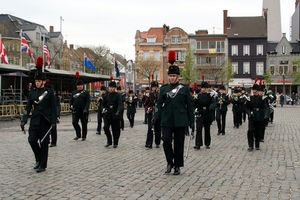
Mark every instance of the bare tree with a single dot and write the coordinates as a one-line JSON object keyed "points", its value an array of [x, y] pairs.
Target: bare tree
{"points": [[147, 67], [101, 58], [227, 74]]}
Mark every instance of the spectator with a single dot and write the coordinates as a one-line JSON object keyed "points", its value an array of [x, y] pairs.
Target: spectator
{"points": [[281, 99], [27, 89]]}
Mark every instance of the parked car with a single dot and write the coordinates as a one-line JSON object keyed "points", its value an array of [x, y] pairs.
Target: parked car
{"points": [[288, 99]]}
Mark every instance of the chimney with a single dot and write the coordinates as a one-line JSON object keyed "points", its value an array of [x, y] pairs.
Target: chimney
{"points": [[51, 29], [201, 32], [71, 46], [297, 3], [225, 25]]}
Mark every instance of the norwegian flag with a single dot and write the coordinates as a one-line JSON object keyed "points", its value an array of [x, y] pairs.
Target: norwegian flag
{"points": [[25, 47], [3, 54], [47, 53]]}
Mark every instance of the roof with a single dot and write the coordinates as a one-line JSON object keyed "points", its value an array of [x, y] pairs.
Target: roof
{"points": [[246, 27], [158, 32], [10, 68]]}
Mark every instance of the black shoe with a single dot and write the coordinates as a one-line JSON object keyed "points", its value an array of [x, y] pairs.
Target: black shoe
{"points": [[219, 133], [223, 133], [176, 171], [250, 149], [115, 146], [197, 147], [76, 138], [107, 145], [257, 148], [207, 147], [52, 145], [148, 146], [262, 140], [157, 146], [36, 165], [144, 122], [83, 139], [168, 169], [98, 133], [40, 169]]}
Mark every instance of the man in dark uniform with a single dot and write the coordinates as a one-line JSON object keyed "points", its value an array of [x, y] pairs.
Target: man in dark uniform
{"points": [[150, 102], [204, 109], [100, 115], [175, 106], [79, 105], [222, 104], [123, 95], [237, 107], [244, 95], [43, 117], [256, 110], [111, 108], [145, 95], [53, 134], [272, 102], [131, 102], [262, 92]]}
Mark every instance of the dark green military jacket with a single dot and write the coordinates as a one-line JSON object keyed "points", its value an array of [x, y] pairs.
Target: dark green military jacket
{"points": [[42, 106], [175, 106], [112, 103], [131, 104], [224, 105], [80, 100], [238, 104], [257, 108], [205, 104]]}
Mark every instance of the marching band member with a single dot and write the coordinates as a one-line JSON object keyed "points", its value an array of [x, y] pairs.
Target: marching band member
{"points": [[222, 104], [244, 95], [79, 105], [257, 110], [237, 106], [175, 106], [204, 108], [100, 115], [131, 102], [43, 118], [123, 95], [262, 92], [272, 102], [111, 108], [150, 102]]}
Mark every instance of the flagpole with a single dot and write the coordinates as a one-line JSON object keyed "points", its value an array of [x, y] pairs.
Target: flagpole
{"points": [[83, 64], [21, 47], [43, 67]]}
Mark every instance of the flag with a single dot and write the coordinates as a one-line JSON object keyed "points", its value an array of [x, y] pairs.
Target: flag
{"points": [[87, 62], [117, 68], [3, 54], [25, 47], [47, 53]]}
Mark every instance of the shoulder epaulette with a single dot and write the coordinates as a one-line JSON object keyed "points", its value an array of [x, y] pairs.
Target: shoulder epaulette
{"points": [[264, 97]]}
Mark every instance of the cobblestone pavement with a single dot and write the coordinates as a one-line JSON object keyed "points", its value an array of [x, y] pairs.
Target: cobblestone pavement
{"points": [[88, 170]]}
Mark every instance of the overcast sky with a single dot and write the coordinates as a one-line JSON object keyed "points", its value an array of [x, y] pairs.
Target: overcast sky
{"points": [[113, 23]]}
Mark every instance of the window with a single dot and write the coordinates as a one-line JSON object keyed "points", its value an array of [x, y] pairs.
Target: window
{"points": [[272, 70], [294, 68], [212, 45], [208, 60], [179, 39], [151, 40], [204, 45], [198, 61], [198, 45], [146, 55], [220, 46], [157, 75], [246, 50], [156, 56], [235, 67], [283, 49], [259, 49], [246, 68], [234, 50], [38, 36], [259, 68], [173, 40], [180, 55]]}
